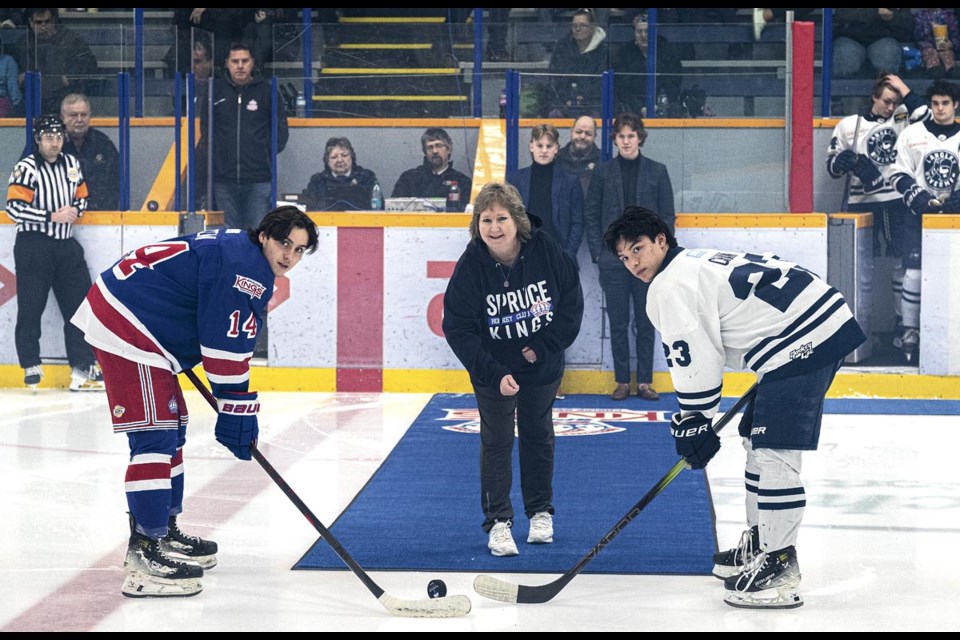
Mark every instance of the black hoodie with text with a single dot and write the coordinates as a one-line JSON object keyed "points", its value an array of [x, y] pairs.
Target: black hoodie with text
{"points": [[491, 312]]}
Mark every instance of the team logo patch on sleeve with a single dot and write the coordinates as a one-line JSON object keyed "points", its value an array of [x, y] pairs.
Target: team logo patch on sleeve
{"points": [[249, 286], [940, 169], [118, 411]]}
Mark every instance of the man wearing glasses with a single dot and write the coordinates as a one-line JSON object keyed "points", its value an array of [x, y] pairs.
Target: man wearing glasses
{"points": [[863, 150], [63, 57], [436, 177], [46, 195]]}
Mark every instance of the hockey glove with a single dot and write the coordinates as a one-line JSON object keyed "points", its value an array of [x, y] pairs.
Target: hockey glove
{"points": [[918, 199], [695, 439], [951, 204], [868, 174], [237, 422], [844, 162]]}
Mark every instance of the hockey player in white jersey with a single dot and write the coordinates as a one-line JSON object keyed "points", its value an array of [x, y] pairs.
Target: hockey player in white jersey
{"points": [[717, 309], [863, 149], [926, 170]]}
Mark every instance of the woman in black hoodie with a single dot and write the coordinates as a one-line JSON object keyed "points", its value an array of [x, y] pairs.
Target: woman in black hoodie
{"points": [[512, 306]]}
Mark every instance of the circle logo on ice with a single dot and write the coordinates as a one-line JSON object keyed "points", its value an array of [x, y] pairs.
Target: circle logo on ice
{"points": [[940, 169], [882, 146]]}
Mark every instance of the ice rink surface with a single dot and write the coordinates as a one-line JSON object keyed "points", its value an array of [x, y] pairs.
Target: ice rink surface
{"points": [[877, 548]]}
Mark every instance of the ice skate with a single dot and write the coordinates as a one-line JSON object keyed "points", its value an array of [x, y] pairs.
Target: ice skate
{"points": [[32, 376], [769, 582], [732, 561], [910, 344], [152, 574], [186, 548], [88, 379]]}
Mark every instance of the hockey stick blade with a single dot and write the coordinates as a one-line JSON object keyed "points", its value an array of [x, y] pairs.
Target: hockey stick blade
{"points": [[446, 607], [497, 589]]}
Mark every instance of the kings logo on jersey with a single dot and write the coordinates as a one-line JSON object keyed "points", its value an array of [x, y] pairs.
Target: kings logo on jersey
{"points": [[249, 286], [940, 169], [882, 146]]}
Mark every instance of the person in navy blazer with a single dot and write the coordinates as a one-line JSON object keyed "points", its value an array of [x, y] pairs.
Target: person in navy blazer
{"points": [[550, 192], [629, 178]]}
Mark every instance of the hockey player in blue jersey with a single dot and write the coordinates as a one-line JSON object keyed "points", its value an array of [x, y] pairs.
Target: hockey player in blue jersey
{"points": [[162, 309], [717, 309]]}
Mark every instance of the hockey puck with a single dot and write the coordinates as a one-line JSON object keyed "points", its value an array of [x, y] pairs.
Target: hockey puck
{"points": [[437, 589]]}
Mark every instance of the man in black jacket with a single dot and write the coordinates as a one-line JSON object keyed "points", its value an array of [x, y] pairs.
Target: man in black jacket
{"points": [[98, 156], [242, 132], [436, 176]]}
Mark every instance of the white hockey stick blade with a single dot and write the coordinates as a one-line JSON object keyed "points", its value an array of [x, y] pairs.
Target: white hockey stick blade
{"points": [[495, 589], [448, 607]]}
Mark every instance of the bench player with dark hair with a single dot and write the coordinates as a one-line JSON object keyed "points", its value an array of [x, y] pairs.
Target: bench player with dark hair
{"points": [[162, 309]]}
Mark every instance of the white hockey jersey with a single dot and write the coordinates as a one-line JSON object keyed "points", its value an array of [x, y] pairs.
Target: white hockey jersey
{"points": [[744, 311], [927, 154], [877, 138]]}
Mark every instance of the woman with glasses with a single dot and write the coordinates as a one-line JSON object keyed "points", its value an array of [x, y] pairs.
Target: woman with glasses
{"points": [[343, 184], [579, 58]]}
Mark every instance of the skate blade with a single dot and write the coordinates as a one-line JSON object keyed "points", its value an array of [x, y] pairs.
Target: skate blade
{"points": [[769, 599], [141, 585]]}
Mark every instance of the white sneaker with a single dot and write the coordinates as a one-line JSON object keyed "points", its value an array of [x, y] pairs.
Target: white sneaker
{"points": [[32, 376], [90, 379], [501, 540], [541, 528]]}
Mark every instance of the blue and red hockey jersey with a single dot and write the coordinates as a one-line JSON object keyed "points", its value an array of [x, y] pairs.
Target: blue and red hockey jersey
{"points": [[177, 303]]}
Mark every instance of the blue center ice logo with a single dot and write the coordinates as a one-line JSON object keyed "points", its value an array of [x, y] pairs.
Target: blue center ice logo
{"points": [[940, 169]]}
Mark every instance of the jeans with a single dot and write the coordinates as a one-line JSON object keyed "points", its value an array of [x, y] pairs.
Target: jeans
{"points": [[243, 205], [849, 56], [533, 408], [619, 287]]}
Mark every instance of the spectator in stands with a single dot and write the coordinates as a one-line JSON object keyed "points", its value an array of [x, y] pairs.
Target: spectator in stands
{"points": [[98, 156], [627, 179], [340, 168], [11, 18], [63, 58], [242, 135], [11, 98], [550, 192], [581, 155], [273, 34], [938, 39], [584, 51], [434, 178], [222, 26], [867, 41], [630, 74]]}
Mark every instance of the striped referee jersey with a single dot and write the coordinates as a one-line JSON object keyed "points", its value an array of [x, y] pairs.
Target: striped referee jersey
{"points": [[37, 188]]}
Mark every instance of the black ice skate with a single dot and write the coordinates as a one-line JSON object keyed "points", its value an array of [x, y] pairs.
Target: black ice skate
{"points": [[732, 561], [769, 582], [152, 574], [186, 548]]}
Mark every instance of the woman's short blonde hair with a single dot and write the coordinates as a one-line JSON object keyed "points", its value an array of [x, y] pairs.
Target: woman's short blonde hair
{"points": [[507, 196]]}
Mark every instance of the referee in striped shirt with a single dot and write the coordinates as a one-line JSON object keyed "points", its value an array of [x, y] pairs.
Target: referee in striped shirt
{"points": [[45, 196]]}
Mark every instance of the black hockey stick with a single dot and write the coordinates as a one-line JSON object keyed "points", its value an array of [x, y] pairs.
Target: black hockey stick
{"points": [[846, 187], [445, 607], [496, 589]]}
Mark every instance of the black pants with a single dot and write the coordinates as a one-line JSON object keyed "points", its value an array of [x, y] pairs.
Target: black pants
{"points": [[532, 411], [43, 263]]}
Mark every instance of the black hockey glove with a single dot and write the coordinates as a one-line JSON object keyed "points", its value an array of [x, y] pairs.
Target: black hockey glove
{"points": [[844, 162], [237, 422], [695, 439], [951, 204], [918, 199], [868, 174]]}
